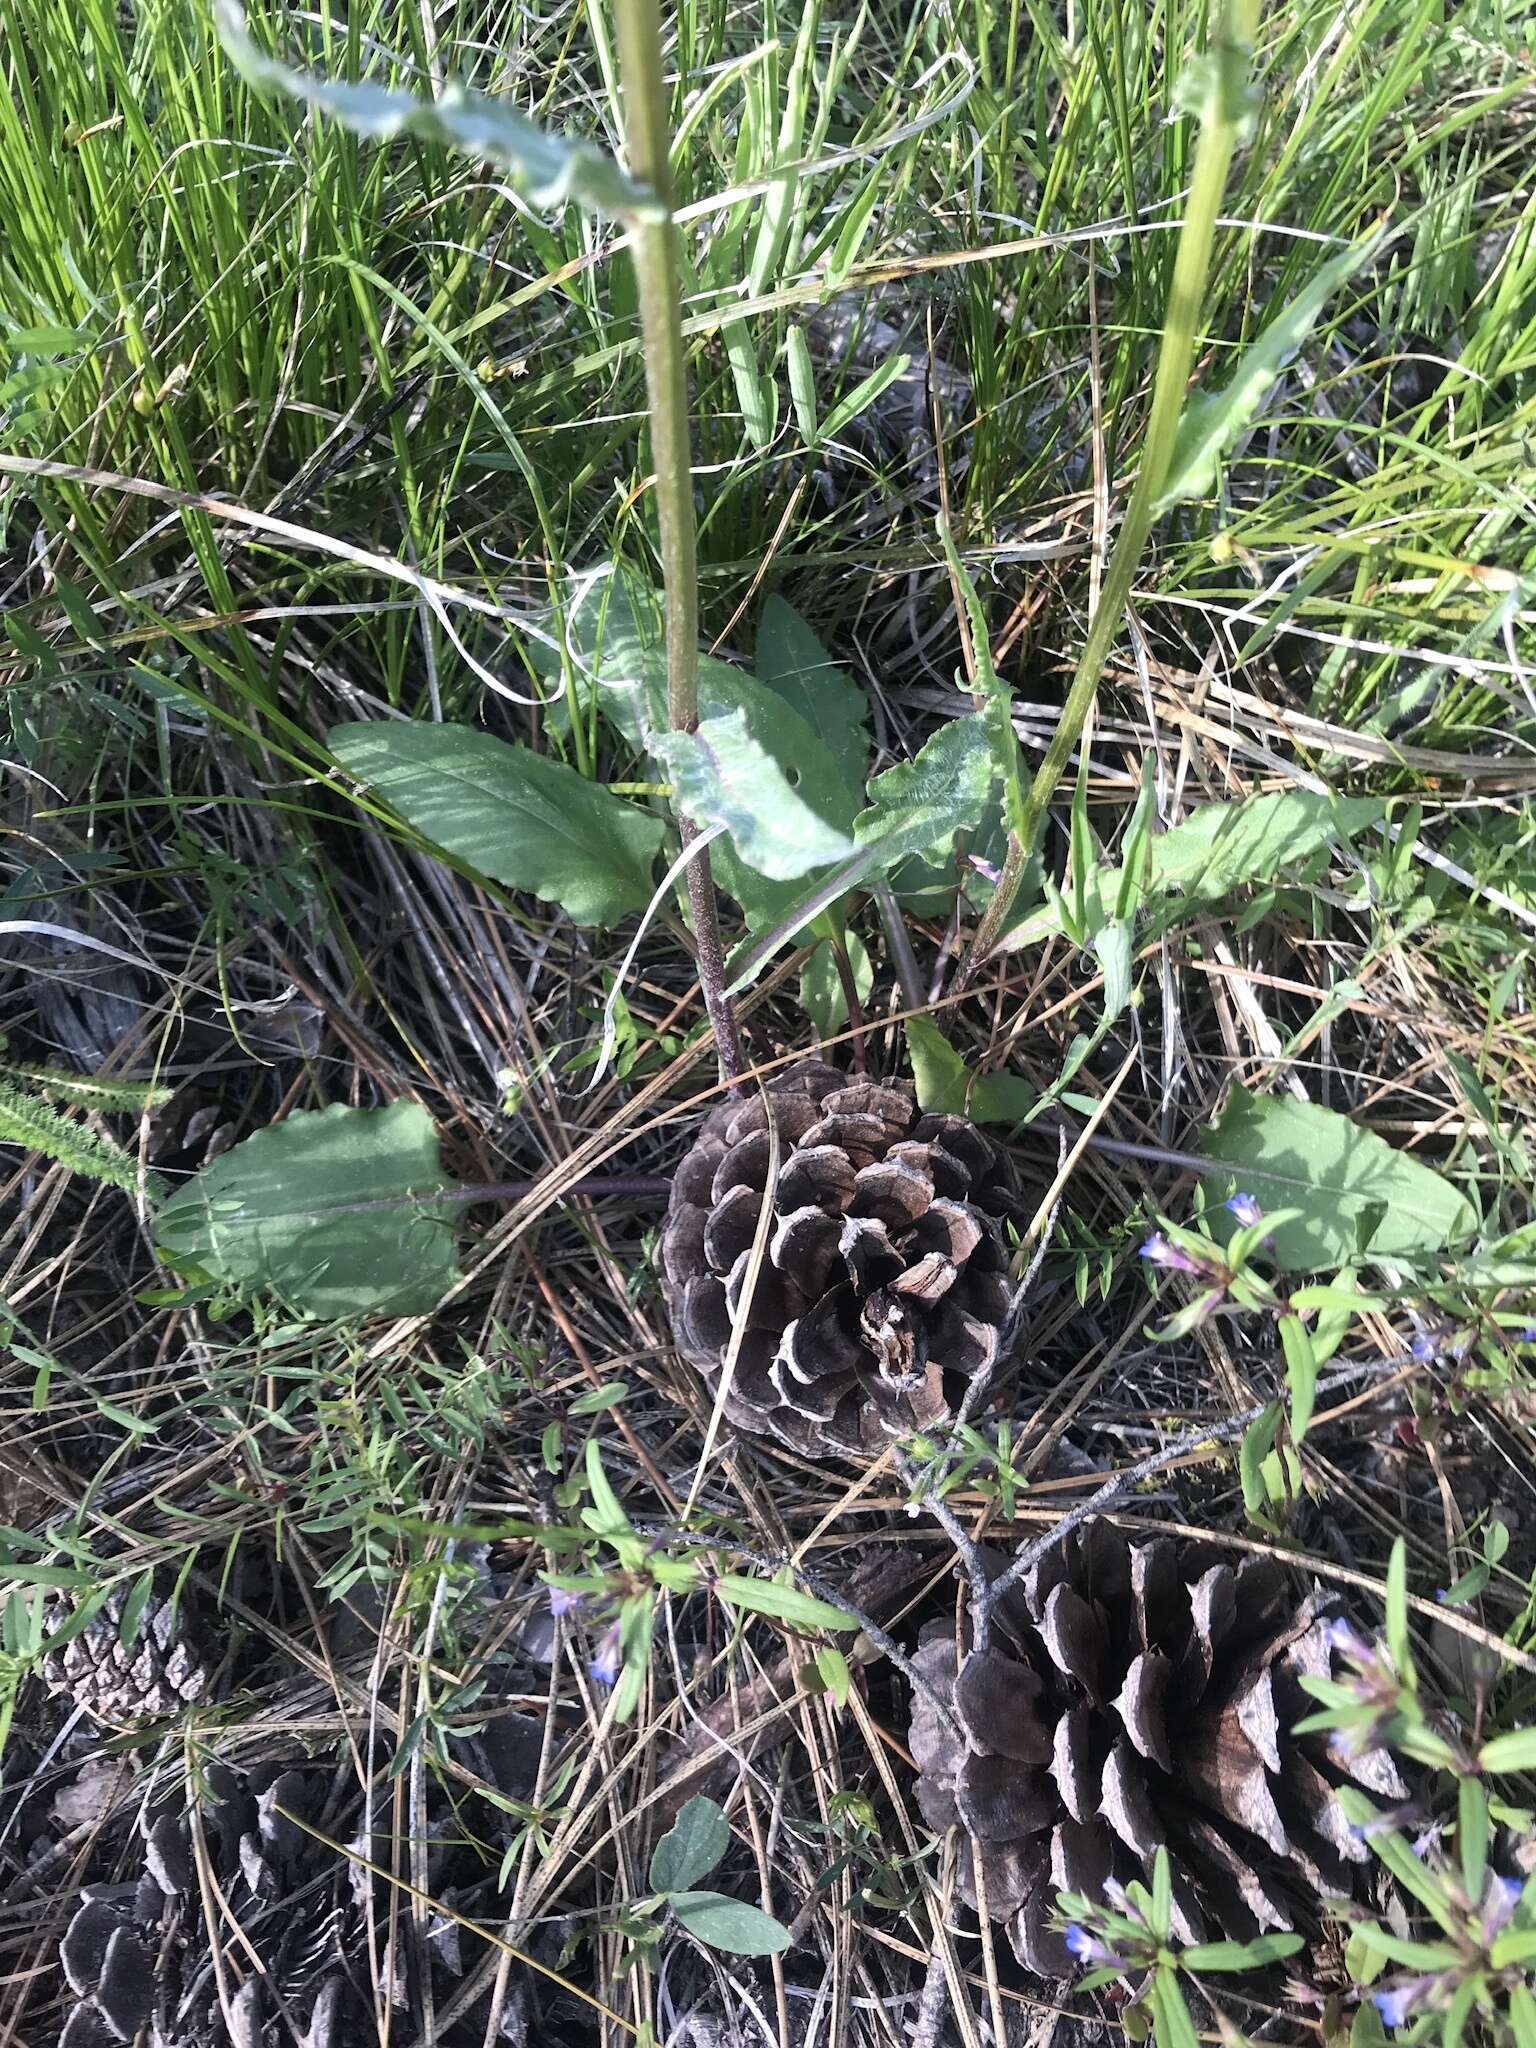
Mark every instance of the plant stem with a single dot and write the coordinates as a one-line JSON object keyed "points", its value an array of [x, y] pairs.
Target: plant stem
{"points": [[653, 247], [1228, 60]]}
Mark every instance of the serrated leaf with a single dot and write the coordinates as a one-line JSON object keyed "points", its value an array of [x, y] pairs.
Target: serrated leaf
{"points": [[724, 774], [785, 1603], [1358, 1195], [550, 170], [691, 1847], [331, 1212], [37, 1126], [1212, 420], [790, 659], [822, 996], [517, 816], [730, 1925]]}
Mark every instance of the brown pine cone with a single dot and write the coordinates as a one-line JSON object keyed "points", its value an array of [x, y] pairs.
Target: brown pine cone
{"points": [[884, 1288], [1136, 1695], [159, 1672]]}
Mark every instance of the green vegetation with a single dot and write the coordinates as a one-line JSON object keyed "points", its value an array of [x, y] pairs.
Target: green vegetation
{"points": [[1038, 543]]}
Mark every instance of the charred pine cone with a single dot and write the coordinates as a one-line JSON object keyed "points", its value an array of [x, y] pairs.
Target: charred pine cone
{"points": [[884, 1288], [312, 1947], [1136, 1695]]}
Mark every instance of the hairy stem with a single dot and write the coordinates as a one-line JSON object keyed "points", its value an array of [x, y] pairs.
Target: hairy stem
{"points": [[1228, 61], [653, 247]]}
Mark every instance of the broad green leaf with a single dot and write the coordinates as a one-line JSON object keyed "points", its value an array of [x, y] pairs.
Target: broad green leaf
{"points": [[786, 1603], [945, 1083], [550, 170], [912, 806], [790, 659], [1472, 1835], [832, 1668], [730, 1924], [723, 774], [1212, 420], [514, 815], [1257, 1441], [997, 714], [332, 1212], [1217, 849], [822, 996], [691, 1847], [1515, 1751], [1358, 1195]]}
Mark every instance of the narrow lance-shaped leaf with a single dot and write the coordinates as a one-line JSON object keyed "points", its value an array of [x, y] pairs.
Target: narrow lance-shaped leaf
{"points": [[550, 170], [1212, 420], [514, 815], [786, 1603]]}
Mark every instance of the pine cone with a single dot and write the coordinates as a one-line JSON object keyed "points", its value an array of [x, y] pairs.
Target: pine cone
{"points": [[884, 1288], [1134, 1696], [159, 1672], [137, 1955]]}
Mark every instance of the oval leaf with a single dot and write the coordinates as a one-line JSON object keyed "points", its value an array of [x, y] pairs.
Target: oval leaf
{"points": [[1357, 1195], [330, 1211], [691, 1847], [730, 1924], [510, 813], [724, 774]]}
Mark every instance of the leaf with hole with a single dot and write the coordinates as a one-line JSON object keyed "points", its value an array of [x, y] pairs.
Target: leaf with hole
{"points": [[730, 1924], [331, 1212], [512, 814], [1358, 1195], [691, 1847], [550, 170], [723, 774]]}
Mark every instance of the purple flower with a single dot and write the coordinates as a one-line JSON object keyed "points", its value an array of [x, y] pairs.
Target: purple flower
{"points": [[605, 1665], [1424, 1346], [1346, 1641], [1245, 1208], [1499, 1902], [1395, 2004], [987, 869], [1157, 1251], [1089, 1949], [562, 1602]]}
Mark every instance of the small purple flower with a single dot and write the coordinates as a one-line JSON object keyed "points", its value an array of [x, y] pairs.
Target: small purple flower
{"points": [[1346, 1641], [1527, 1335], [1499, 1902], [1089, 1949], [1157, 1251], [562, 1602], [1425, 1346], [605, 1665], [1245, 1208], [1395, 2004], [988, 870]]}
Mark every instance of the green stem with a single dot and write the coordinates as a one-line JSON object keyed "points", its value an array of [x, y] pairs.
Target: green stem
{"points": [[1228, 61], [653, 247]]}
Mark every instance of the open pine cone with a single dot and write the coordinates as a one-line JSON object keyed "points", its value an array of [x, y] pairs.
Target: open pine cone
{"points": [[884, 1288], [1136, 1695]]}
